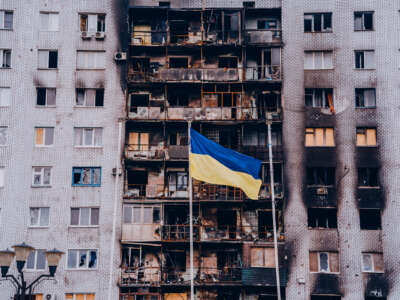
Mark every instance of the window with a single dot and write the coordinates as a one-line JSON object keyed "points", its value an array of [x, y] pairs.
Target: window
{"points": [[41, 176], [49, 21], [372, 262], [79, 296], [88, 137], [320, 98], [262, 257], [86, 176], [366, 137], [36, 260], [322, 218], [370, 219], [89, 97], [138, 100], [364, 59], [363, 20], [134, 214], [38, 297], [318, 22], [365, 98], [39, 216], [3, 135], [324, 262], [85, 216], [368, 177], [82, 259], [2, 176], [46, 96], [91, 60], [47, 59], [93, 22], [6, 19], [319, 137], [178, 138], [316, 60], [138, 141], [5, 55], [44, 136], [177, 181], [320, 176], [5, 96], [178, 62], [249, 4]]}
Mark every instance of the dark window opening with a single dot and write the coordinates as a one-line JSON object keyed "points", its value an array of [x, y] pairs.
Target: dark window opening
{"points": [[137, 180], [267, 24], [141, 64], [53, 57], [322, 217], [327, 297], [318, 98], [368, 177], [176, 261], [130, 258], [375, 298], [41, 96], [179, 30], [227, 62], [139, 100], [178, 62], [176, 215], [365, 98], [277, 174], [100, 97], [249, 4], [363, 21], [359, 59], [178, 99], [370, 219], [321, 176], [164, 4]]}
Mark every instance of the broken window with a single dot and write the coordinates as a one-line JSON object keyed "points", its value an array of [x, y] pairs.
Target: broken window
{"points": [[318, 22], [84, 216], [262, 257], [6, 19], [365, 98], [364, 59], [317, 60], [41, 176], [176, 260], [5, 55], [268, 102], [363, 20], [138, 100], [322, 217], [324, 262], [39, 216], [138, 141], [227, 62], [93, 22], [47, 59], [44, 136], [178, 139], [177, 181], [79, 297], [141, 64], [320, 176], [319, 98], [137, 181], [89, 97], [267, 24], [372, 262], [319, 137], [90, 60], [36, 260], [368, 177], [131, 258], [86, 176], [82, 259], [3, 135], [5, 96], [178, 62], [49, 21], [46, 96], [370, 219], [136, 214], [366, 137], [88, 137]]}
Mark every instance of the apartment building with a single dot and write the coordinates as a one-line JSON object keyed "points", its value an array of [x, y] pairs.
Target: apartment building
{"points": [[61, 100]]}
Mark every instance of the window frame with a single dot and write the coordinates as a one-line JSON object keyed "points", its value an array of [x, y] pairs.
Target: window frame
{"points": [[86, 268], [39, 217], [5, 102], [332, 67], [4, 12], [74, 296], [44, 137], [328, 253], [79, 216], [41, 177], [314, 135], [2, 51], [369, 175], [104, 27], [373, 65], [364, 133], [85, 97], [6, 136], [324, 97], [35, 269], [326, 171], [46, 97], [48, 21], [131, 207], [48, 59], [357, 95], [96, 68], [2, 177], [371, 255], [92, 145], [323, 16], [91, 178], [363, 13]]}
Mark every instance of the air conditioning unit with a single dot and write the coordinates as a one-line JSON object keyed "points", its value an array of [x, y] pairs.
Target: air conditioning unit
{"points": [[322, 191], [100, 35], [86, 35], [50, 297], [120, 56]]}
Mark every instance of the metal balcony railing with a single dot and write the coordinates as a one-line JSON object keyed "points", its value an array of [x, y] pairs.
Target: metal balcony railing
{"points": [[223, 274], [142, 191], [238, 233], [140, 276], [180, 232]]}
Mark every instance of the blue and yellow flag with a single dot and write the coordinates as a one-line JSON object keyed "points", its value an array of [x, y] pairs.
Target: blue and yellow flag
{"points": [[212, 163]]}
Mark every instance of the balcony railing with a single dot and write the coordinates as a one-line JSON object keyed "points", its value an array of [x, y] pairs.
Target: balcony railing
{"points": [[237, 233], [262, 36], [140, 276], [180, 232], [155, 151], [142, 191], [214, 275]]}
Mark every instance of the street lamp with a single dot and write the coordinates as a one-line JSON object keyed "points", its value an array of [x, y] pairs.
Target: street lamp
{"points": [[22, 251]]}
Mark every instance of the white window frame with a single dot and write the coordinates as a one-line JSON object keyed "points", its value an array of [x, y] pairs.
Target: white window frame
{"points": [[3, 19], [371, 65], [323, 67], [311, 16], [96, 20], [77, 268], [363, 13], [39, 217], [35, 269], [371, 255], [324, 97], [6, 131], [79, 217], [2, 176], [142, 208], [86, 96], [48, 59], [44, 137], [82, 139], [2, 58], [95, 60], [80, 294], [41, 173], [51, 20], [5, 96]]}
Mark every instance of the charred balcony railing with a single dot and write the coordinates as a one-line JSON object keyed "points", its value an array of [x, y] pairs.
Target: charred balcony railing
{"points": [[215, 275], [156, 151], [160, 191], [140, 276], [239, 74], [238, 233], [262, 152], [178, 233]]}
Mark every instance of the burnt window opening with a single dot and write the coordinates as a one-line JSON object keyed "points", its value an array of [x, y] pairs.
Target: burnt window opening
{"points": [[249, 4], [227, 219], [179, 62], [268, 102], [130, 258], [178, 138], [327, 297], [228, 138], [364, 20], [370, 219], [176, 261], [137, 181], [139, 100], [176, 215], [178, 99], [179, 30], [318, 22], [320, 176], [368, 177], [365, 98], [319, 98], [322, 218], [164, 4], [230, 62], [277, 174], [141, 64]]}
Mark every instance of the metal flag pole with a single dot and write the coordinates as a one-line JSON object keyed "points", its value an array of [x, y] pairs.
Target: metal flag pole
{"points": [[190, 218], [271, 176]]}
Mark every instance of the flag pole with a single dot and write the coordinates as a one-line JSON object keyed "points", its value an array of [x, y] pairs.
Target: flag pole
{"points": [[271, 176], [190, 218]]}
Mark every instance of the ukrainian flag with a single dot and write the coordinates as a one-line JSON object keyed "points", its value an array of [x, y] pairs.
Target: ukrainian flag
{"points": [[212, 163]]}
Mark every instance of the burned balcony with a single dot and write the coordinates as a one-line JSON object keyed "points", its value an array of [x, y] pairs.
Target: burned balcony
{"points": [[320, 190], [146, 143], [262, 27], [148, 26], [222, 26], [263, 64], [176, 226]]}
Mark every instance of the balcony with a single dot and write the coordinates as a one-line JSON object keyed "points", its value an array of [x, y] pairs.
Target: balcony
{"points": [[156, 152], [238, 233], [262, 36], [263, 276], [178, 233], [141, 232], [155, 191], [321, 196], [222, 275], [141, 276]]}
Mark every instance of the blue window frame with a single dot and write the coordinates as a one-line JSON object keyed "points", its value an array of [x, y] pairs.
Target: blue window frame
{"points": [[86, 176]]}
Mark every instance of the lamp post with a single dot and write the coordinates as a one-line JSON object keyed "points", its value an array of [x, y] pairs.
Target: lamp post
{"points": [[22, 251]]}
